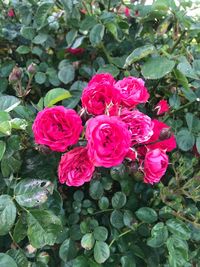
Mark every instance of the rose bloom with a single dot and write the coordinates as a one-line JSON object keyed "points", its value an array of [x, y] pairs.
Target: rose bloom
{"points": [[155, 165], [127, 12], [100, 96], [162, 107], [167, 144], [57, 128], [108, 140], [139, 124], [75, 167], [133, 91], [11, 13], [75, 51]]}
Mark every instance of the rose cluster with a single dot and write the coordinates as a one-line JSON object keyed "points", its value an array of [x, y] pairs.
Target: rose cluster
{"points": [[115, 131]]}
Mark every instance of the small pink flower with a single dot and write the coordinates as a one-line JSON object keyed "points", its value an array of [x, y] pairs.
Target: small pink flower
{"points": [[75, 167], [127, 12], [133, 91], [57, 128], [108, 140], [11, 13], [139, 125], [100, 96], [167, 144], [75, 51], [155, 165], [162, 107]]}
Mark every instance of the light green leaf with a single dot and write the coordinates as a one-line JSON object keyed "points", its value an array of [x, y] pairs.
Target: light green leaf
{"points": [[5, 127], [185, 139], [55, 95], [33, 192], [147, 215], [118, 200], [41, 13], [68, 250], [7, 261], [43, 228], [139, 53], [157, 67], [7, 214], [87, 241], [96, 34], [23, 49], [101, 252], [178, 228], [100, 233], [66, 74], [2, 149], [159, 235], [8, 102]]}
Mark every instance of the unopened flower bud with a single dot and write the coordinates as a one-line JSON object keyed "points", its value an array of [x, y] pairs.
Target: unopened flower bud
{"points": [[15, 75], [165, 134], [32, 68]]}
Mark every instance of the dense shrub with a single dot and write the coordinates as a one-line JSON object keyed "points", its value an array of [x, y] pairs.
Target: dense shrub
{"points": [[49, 50]]}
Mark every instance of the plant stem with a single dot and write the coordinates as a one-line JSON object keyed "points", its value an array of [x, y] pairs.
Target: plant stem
{"points": [[102, 211], [177, 41], [122, 234], [178, 109], [106, 53]]}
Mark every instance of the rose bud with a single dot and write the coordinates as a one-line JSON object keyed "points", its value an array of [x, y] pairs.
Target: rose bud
{"points": [[11, 13], [165, 134], [162, 107], [15, 75], [32, 68]]}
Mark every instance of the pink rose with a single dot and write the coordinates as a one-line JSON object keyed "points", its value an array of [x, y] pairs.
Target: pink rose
{"points": [[167, 144], [57, 128], [100, 96], [131, 154], [162, 107], [11, 13], [155, 165], [108, 140], [75, 167], [139, 125], [133, 91], [127, 12], [75, 51]]}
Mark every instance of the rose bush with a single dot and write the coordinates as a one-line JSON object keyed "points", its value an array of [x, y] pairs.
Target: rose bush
{"points": [[99, 133]]}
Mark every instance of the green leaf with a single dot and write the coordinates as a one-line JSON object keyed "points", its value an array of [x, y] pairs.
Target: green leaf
{"points": [[5, 127], [19, 257], [55, 95], [178, 228], [23, 49], [68, 250], [40, 38], [66, 74], [43, 228], [181, 79], [116, 219], [96, 189], [101, 252], [100, 233], [7, 214], [27, 32], [40, 77], [178, 251], [187, 70], [185, 139], [109, 68], [33, 192], [147, 215], [41, 14], [159, 235], [157, 67], [87, 241], [128, 261], [198, 144], [103, 203], [189, 94], [70, 36], [19, 124], [8, 102], [118, 200], [20, 230], [96, 34], [2, 149], [7, 261], [139, 53]]}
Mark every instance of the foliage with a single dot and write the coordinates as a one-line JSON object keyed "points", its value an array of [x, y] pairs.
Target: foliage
{"points": [[116, 219]]}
